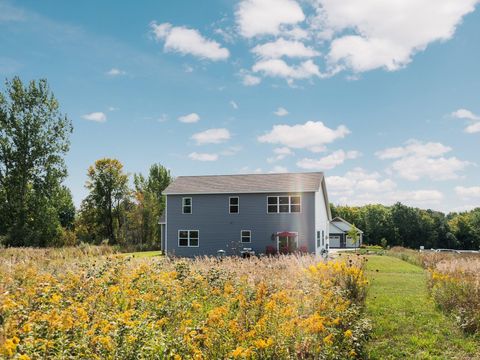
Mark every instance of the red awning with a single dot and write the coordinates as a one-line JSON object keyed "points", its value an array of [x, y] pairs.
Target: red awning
{"points": [[286, 234]]}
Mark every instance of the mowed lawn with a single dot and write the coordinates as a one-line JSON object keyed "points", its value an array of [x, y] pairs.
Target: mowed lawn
{"points": [[406, 324]]}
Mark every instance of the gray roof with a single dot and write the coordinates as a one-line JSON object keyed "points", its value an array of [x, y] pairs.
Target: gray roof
{"points": [[251, 183], [342, 224]]}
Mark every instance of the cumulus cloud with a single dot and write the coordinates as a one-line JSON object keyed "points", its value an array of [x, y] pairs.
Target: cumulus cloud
{"points": [[473, 128], [250, 80], [359, 187], [312, 135], [211, 136], [386, 34], [281, 47], [266, 17], [279, 68], [327, 162], [414, 147], [468, 192], [190, 118], [281, 112], [280, 154], [203, 156], [465, 114], [95, 116], [234, 104], [418, 160], [183, 40]]}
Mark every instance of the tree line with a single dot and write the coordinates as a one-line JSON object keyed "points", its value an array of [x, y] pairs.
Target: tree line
{"points": [[36, 208], [401, 225]]}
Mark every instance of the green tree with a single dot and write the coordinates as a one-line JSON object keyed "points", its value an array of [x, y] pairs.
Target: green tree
{"points": [[150, 204], [105, 204], [354, 235], [34, 138]]}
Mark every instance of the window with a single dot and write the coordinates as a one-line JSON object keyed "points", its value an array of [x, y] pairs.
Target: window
{"points": [[246, 236], [323, 238], [188, 238], [283, 204], [234, 205], [318, 238], [186, 205]]}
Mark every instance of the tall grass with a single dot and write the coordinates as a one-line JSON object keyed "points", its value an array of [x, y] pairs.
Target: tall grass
{"points": [[454, 283], [70, 303]]}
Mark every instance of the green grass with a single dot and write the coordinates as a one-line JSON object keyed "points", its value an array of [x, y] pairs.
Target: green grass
{"points": [[143, 254], [406, 324]]}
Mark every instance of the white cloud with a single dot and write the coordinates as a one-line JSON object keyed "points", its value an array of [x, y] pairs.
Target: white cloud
{"points": [[385, 34], [417, 160], [188, 41], [203, 156], [211, 136], [281, 47], [279, 169], [280, 154], [115, 72], [264, 17], [416, 148], [250, 80], [473, 128], [465, 114], [190, 118], [359, 187], [279, 68], [313, 135], [327, 162], [234, 104], [95, 116], [281, 112], [468, 192]]}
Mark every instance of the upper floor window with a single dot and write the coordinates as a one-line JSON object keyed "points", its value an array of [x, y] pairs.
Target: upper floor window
{"points": [[187, 205], [188, 238], [234, 205], [283, 204], [246, 236]]}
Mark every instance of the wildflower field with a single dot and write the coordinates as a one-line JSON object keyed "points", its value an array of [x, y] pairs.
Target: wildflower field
{"points": [[88, 303], [454, 283]]}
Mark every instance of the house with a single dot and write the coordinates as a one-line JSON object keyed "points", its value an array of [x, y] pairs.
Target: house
{"points": [[338, 234], [260, 212]]}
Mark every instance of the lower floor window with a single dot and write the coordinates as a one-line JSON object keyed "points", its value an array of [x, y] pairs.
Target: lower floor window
{"points": [[246, 236], [188, 238]]}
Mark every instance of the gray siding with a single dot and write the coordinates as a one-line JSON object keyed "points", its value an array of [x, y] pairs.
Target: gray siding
{"points": [[221, 230]]}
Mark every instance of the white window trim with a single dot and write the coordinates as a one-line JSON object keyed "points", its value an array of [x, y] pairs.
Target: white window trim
{"points": [[238, 205], [183, 205], [289, 204], [188, 238], [249, 236], [295, 237]]}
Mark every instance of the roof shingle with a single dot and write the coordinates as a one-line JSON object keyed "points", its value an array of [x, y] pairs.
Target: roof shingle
{"points": [[251, 183]]}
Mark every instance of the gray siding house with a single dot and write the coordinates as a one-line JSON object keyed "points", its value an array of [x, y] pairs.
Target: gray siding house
{"points": [[262, 212], [338, 235]]}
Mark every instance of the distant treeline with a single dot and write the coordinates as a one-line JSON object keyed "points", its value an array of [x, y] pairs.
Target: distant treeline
{"points": [[401, 225]]}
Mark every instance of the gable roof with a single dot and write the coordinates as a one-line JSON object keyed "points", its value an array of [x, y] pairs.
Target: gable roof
{"points": [[343, 224], [250, 183]]}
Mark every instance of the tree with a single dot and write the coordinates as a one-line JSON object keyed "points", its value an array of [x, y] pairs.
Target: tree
{"points": [[34, 138], [150, 203], [108, 186], [354, 235]]}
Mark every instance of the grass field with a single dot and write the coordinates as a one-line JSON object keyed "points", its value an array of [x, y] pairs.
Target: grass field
{"points": [[406, 323]]}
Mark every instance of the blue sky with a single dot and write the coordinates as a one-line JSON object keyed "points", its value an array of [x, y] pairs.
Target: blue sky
{"points": [[384, 98]]}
